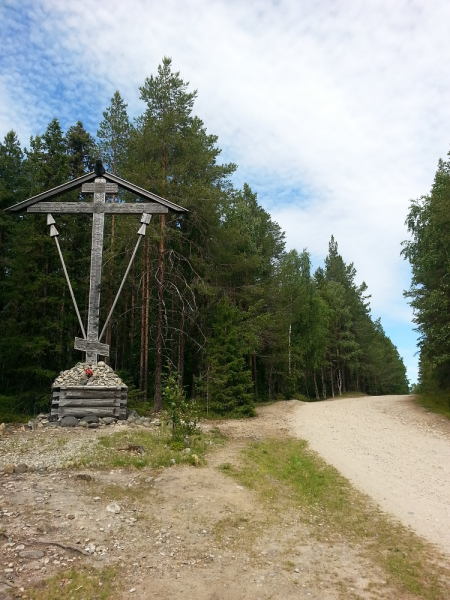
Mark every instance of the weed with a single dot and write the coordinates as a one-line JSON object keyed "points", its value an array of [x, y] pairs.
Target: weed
{"points": [[76, 584], [437, 402], [157, 450]]}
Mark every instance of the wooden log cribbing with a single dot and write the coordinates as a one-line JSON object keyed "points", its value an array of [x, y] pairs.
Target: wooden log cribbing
{"points": [[80, 401]]}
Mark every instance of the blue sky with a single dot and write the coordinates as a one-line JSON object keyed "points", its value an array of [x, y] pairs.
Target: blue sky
{"points": [[336, 111]]}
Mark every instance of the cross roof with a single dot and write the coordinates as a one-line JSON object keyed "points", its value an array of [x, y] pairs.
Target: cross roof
{"points": [[99, 172]]}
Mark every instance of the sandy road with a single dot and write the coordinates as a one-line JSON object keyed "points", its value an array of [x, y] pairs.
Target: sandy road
{"points": [[392, 450]]}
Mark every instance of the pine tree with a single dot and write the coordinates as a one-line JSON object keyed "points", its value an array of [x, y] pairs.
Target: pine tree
{"points": [[114, 134], [226, 383], [173, 156]]}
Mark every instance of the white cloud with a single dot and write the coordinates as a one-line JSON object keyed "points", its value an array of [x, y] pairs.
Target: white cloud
{"points": [[336, 112]]}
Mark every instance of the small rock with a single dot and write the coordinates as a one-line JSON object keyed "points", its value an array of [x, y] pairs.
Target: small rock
{"points": [[109, 420], [172, 461], [90, 419], [83, 477], [44, 527], [186, 451], [93, 426], [195, 459], [71, 517], [19, 547], [21, 468], [113, 508], [133, 413], [33, 554], [8, 469], [69, 422], [90, 548]]}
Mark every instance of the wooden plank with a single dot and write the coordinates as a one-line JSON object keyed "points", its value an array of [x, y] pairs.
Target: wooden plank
{"points": [[84, 411], [91, 346], [101, 388], [53, 193], [88, 392], [91, 402], [91, 394], [91, 207], [107, 188]]}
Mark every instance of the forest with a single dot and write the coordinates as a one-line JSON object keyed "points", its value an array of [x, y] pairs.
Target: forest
{"points": [[213, 298]]}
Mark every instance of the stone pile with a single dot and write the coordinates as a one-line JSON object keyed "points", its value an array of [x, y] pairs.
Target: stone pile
{"points": [[102, 375]]}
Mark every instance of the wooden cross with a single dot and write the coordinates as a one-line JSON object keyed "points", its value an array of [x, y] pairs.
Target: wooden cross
{"points": [[101, 184], [91, 344]]}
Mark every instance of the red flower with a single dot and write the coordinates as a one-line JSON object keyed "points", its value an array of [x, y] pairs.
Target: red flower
{"points": [[88, 372]]}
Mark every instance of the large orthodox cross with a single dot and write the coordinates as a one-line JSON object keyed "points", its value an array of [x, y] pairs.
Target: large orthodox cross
{"points": [[101, 188]]}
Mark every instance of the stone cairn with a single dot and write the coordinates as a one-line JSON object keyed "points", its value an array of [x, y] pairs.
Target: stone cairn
{"points": [[102, 375]]}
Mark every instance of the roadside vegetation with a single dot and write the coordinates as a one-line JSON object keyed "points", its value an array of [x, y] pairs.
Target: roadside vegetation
{"points": [[437, 402], [287, 475]]}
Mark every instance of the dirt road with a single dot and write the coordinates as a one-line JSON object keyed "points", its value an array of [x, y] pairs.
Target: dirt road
{"points": [[392, 450]]}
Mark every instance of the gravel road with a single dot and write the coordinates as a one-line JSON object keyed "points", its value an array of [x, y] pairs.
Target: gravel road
{"points": [[391, 449]]}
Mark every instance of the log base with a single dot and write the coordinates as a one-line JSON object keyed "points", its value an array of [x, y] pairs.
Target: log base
{"points": [[80, 401]]}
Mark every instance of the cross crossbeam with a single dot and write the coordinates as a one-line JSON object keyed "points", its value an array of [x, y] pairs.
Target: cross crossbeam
{"points": [[97, 207]]}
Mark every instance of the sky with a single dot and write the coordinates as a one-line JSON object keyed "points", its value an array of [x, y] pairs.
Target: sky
{"points": [[336, 111]]}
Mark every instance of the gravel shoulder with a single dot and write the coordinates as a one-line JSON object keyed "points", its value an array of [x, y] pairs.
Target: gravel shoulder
{"points": [[391, 449]]}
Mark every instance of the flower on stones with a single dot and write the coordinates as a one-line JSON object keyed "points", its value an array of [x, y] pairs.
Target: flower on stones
{"points": [[88, 372]]}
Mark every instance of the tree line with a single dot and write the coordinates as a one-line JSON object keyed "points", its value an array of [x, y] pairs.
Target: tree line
{"points": [[428, 252], [213, 296]]}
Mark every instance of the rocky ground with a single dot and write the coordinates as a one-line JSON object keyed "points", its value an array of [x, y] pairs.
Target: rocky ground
{"points": [[181, 532]]}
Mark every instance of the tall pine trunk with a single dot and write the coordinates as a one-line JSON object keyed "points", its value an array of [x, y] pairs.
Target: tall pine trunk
{"points": [[316, 389], [324, 385], [160, 317], [143, 374]]}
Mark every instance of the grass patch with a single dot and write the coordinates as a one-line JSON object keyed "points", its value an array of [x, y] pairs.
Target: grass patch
{"points": [[437, 402], [286, 474], [77, 584], [140, 448]]}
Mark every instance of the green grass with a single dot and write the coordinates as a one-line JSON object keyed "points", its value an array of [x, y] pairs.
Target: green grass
{"points": [[77, 584], [9, 417], [159, 450], [437, 402], [287, 475]]}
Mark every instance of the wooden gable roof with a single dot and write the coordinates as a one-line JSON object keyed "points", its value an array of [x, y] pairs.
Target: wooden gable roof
{"points": [[99, 172]]}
